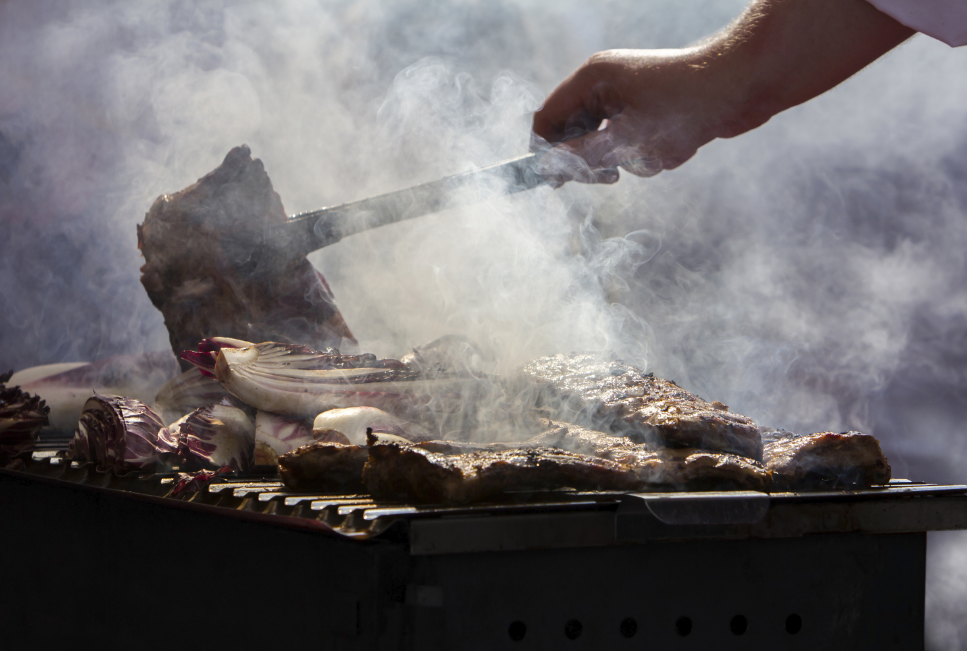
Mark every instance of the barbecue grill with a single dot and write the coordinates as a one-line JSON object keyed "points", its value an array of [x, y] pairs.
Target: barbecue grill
{"points": [[119, 560]]}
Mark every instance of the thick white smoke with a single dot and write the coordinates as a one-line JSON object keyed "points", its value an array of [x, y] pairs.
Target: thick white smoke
{"points": [[810, 274]]}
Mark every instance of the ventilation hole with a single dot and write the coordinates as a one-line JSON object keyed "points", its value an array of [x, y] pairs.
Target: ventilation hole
{"points": [[628, 627], [517, 631], [683, 625], [573, 628], [739, 625], [793, 624]]}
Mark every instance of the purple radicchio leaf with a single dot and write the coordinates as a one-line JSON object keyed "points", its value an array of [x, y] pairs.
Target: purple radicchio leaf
{"points": [[215, 436], [21, 417], [284, 379], [275, 435], [192, 482], [207, 354], [122, 433]]}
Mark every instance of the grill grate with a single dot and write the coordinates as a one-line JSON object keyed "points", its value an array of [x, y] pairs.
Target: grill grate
{"points": [[547, 519]]}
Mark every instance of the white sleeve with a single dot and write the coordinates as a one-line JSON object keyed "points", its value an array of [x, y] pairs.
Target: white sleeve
{"points": [[945, 20]]}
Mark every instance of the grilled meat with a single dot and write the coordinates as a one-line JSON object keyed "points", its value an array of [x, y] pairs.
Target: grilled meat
{"points": [[461, 447], [608, 394], [660, 468], [825, 460], [207, 273], [696, 470], [324, 466], [411, 473], [578, 439]]}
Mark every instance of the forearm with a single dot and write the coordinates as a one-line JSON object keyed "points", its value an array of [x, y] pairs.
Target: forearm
{"points": [[781, 53]]}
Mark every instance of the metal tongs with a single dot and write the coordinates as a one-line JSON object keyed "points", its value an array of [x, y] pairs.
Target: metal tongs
{"points": [[310, 231]]}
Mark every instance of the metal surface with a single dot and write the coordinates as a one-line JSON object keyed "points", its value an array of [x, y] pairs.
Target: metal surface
{"points": [[307, 232], [541, 520], [99, 567]]}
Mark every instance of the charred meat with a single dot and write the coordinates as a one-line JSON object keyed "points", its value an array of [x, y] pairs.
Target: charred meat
{"points": [[825, 460], [696, 470], [206, 270], [578, 439], [609, 394], [660, 468], [411, 473], [324, 466]]}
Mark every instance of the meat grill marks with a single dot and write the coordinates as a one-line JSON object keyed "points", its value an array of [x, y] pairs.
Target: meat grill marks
{"points": [[825, 460], [444, 472], [696, 470], [206, 270], [609, 394], [578, 439], [661, 468], [412, 473]]}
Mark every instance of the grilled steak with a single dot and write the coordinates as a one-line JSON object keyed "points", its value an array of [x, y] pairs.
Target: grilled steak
{"points": [[204, 268], [324, 466], [825, 460], [411, 473], [696, 470], [608, 394], [662, 468], [578, 439]]}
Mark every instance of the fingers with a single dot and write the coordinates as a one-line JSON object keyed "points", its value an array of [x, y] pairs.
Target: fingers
{"points": [[580, 160], [575, 107]]}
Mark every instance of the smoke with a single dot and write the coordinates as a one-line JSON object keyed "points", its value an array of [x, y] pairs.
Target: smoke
{"points": [[810, 274]]}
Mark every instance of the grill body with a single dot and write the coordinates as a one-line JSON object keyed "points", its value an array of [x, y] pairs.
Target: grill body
{"points": [[104, 567]]}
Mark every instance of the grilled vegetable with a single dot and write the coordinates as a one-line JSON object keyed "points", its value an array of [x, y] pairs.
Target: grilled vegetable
{"points": [[191, 390], [276, 435], [21, 417], [207, 354], [122, 433], [66, 387], [354, 421], [295, 381], [216, 436]]}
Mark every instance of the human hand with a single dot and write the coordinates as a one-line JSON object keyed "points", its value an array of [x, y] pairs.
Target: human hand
{"points": [[641, 110]]}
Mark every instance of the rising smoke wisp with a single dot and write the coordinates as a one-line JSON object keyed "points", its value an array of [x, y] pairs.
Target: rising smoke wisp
{"points": [[810, 274]]}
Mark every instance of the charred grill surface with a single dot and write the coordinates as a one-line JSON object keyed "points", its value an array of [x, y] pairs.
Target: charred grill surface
{"points": [[609, 394], [411, 473], [324, 466], [206, 270], [826, 460]]}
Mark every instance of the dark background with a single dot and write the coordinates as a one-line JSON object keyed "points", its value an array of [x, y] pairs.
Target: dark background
{"points": [[810, 274]]}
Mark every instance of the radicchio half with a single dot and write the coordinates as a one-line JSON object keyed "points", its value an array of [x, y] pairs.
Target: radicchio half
{"points": [[122, 433], [216, 436]]}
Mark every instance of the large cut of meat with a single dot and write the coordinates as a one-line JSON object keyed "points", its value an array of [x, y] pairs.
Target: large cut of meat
{"points": [[324, 466], [578, 439], [609, 394], [206, 271], [412, 473], [825, 460], [660, 468], [696, 470]]}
